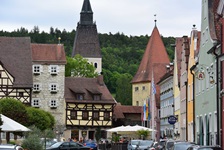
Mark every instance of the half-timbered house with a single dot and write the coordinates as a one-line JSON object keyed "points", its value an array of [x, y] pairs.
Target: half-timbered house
{"points": [[16, 68], [89, 107]]}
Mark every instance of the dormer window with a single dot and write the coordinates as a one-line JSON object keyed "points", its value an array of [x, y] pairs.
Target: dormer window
{"points": [[21, 94], [96, 97], [79, 96], [36, 69], [53, 69]]}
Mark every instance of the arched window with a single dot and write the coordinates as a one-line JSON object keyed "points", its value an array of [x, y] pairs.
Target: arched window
{"points": [[95, 65]]}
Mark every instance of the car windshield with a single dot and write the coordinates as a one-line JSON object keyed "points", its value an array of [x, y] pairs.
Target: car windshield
{"points": [[56, 144], [146, 143], [170, 144], [181, 146], [135, 142]]}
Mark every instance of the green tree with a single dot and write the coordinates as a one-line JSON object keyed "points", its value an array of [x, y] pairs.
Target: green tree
{"points": [[123, 89], [13, 109], [38, 118], [79, 67], [144, 133]]}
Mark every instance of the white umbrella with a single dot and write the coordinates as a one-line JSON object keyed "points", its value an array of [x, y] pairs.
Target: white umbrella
{"points": [[116, 129], [10, 125], [138, 127]]}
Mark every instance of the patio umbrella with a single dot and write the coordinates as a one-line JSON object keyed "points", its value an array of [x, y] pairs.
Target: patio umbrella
{"points": [[10, 125]]}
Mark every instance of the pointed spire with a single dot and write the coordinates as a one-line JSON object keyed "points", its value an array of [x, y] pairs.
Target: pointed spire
{"points": [[86, 7], [155, 19], [86, 15]]}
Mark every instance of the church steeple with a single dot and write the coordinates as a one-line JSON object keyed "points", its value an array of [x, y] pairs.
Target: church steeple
{"points": [[86, 15]]}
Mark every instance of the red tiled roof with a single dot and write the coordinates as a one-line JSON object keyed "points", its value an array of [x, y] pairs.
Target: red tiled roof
{"points": [[48, 53], [155, 53], [120, 110]]}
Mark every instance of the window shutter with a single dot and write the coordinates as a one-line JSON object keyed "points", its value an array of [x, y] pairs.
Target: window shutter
{"points": [[41, 68], [49, 68]]}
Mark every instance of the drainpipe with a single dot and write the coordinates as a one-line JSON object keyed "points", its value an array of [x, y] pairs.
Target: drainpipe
{"points": [[191, 69], [186, 111]]}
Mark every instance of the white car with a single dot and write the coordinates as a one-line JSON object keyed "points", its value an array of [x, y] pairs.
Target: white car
{"points": [[10, 147]]}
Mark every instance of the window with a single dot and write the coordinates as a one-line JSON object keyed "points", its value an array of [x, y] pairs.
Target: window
{"points": [[106, 115], [96, 97], [137, 103], [53, 69], [21, 94], [53, 87], [36, 102], [95, 115], [36, 87], [136, 88], [85, 115], [0, 74], [143, 88], [79, 97], [95, 65], [36, 69], [53, 103], [73, 114]]}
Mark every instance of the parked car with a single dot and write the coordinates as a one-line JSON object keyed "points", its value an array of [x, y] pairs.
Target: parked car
{"points": [[10, 147], [91, 143], [157, 146], [182, 145], [133, 144], [162, 142], [169, 144], [198, 147], [144, 144], [68, 146]]}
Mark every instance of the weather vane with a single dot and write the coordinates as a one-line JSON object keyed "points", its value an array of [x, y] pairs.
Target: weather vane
{"points": [[155, 18]]}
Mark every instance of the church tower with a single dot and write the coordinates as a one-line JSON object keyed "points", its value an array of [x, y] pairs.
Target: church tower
{"points": [[86, 41]]}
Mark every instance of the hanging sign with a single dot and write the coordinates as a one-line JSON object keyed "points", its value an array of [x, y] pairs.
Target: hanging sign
{"points": [[172, 119]]}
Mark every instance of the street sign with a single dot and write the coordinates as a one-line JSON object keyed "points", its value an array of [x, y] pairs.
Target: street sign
{"points": [[172, 119]]}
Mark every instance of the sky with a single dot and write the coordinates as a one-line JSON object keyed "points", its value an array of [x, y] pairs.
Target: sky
{"points": [[130, 17]]}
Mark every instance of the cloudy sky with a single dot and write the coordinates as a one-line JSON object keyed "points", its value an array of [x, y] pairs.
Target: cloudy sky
{"points": [[131, 17]]}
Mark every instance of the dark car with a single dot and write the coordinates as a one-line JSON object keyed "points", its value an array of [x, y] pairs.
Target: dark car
{"points": [[182, 145], [68, 146], [198, 147], [145, 144], [91, 143]]}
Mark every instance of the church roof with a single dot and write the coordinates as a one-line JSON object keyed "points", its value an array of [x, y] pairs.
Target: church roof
{"points": [[86, 41], [155, 53], [86, 7]]}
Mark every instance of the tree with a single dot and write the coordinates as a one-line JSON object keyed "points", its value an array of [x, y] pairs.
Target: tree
{"points": [[79, 67], [13, 109], [143, 133], [123, 89], [38, 118]]}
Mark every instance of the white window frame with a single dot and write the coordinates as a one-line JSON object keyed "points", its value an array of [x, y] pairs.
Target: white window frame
{"points": [[53, 103], [53, 69], [53, 87], [37, 88], [37, 69], [36, 102]]}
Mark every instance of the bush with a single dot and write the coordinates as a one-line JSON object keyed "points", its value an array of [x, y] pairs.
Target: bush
{"points": [[32, 142]]}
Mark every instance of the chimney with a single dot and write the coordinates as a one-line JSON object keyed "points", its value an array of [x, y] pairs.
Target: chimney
{"points": [[100, 80]]}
